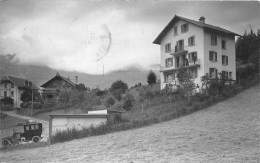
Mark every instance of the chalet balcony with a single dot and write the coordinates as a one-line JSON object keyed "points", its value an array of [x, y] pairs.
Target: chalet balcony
{"points": [[188, 64], [179, 50]]}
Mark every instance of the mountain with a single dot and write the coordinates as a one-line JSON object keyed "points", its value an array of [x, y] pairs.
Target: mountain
{"points": [[40, 74]]}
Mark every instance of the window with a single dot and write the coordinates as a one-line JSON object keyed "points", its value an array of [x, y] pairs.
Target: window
{"points": [[184, 28], [223, 44], [27, 128], [194, 72], [32, 127], [213, 56], [179, 46], [5, 85], [168, 62], [5, 94], [12, 93], [169, 77], [213, 72], [224, 75], [36, 127], [230, 75], [191, 41], [224, 60], [192, 57], [213, 40], [168, 48], [175, 31]]}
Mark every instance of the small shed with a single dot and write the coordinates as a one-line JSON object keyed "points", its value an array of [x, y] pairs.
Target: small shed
{"points": [[61, 122]]}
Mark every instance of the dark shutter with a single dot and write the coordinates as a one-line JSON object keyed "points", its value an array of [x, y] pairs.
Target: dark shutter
{"points": [[216, 57]]}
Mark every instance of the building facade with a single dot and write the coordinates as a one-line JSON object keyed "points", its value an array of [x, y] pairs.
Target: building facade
{"points": [[54, 86], [198, 47], [14, 87]]}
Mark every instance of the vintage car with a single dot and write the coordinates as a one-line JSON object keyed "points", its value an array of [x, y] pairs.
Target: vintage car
{"points": [[32, 132]]}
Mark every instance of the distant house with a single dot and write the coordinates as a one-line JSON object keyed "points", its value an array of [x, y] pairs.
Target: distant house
{"points": [[198, 47], [55, 85], [14, 87]]}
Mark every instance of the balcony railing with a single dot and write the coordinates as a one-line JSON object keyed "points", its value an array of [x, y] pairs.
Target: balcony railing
{"points": [[187, 63], [179, 50]]}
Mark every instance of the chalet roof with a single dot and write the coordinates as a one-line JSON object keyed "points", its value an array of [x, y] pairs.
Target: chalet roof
{"points": [[20, 82], [58, 76], [197, 23]]}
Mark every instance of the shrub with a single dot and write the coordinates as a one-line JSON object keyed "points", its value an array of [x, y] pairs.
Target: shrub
{"points": [[119, 85], [117, 94], [151, 78], [110, 101]]}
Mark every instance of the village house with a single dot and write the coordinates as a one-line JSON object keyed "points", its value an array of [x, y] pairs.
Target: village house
{"points": [[55, 85], [14, 87], [198, 47]]}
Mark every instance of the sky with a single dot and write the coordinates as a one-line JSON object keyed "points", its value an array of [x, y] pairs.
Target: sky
{"points": [[77, 35]]}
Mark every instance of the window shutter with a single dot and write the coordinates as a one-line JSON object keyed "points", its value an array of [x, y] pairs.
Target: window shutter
{"points": [[223, 59], [216, 57], [227, 60], [189, 41], [216, 73]]}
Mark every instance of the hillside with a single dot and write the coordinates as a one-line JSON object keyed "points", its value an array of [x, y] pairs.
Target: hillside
{"points": [[225, 132], [40, 74]]}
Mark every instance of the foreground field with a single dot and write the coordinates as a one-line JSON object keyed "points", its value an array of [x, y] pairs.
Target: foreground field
{"points": [[225, 132]]}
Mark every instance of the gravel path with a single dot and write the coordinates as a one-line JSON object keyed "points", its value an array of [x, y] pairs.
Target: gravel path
{"points": [[225, 132]]}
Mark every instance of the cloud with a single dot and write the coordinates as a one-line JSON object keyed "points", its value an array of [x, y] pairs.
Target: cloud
{"points": [[74, 35]]}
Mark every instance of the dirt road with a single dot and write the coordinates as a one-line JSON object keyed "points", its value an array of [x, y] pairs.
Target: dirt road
{"points": [[225, 132]]}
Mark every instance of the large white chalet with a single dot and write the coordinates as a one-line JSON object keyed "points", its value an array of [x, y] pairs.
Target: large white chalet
{"points": [[199, 47]]}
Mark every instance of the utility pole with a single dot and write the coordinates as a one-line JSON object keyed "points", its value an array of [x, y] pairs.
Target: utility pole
{"points": [[32, 104]]}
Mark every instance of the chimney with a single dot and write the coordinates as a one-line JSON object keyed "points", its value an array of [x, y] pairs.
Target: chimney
{"points": [[202, 19], [76, 80]]}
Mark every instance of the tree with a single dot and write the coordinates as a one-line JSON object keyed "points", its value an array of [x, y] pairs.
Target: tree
{"points": [[119, 85], [118, 88], [186, 82], [129, 103], [7, 101], [151, 78]]}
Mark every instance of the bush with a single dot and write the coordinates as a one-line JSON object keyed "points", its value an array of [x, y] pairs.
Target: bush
{"points": [[110, 101], [151, 78], [119, 85], [117, 94]]}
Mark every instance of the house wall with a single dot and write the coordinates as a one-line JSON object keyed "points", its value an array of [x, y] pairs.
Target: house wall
{"points": [[65, 122], [229, 51], [59, 84], [16, 96], [198, 47]]}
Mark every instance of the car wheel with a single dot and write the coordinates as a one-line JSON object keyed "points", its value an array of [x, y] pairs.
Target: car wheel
{"points": [[6, 143], [36, 139]]}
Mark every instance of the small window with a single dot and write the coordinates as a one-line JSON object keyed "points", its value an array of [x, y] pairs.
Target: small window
{"points": [[168, 62], [213, 40], [27, 128], [169, 77], [36, 127], [5, 94], [191, 41], [230, 75], [194, 73], [32, 127], [12, 85], [12, 93], [168, 48], [223, 44], [192, 57], [213, 72], [224, 75], [175, 31], [184, 28], [213, 56], [224, 60], [5, 85]]}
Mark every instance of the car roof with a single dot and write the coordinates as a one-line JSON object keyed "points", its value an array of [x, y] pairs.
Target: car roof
{"points": [[27, 123]]}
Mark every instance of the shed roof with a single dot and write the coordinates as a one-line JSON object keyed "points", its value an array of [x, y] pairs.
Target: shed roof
{"points": [[79, 115], [197, 23]]}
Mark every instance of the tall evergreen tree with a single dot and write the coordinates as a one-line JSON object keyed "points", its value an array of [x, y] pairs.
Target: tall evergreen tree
{"points": [[151, 78]]}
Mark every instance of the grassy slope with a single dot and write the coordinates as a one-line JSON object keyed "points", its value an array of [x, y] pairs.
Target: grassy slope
{"points": [[225, 132]]}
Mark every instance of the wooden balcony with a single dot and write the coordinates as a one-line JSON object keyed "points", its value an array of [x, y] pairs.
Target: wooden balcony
{"points": [[179, 50]]}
